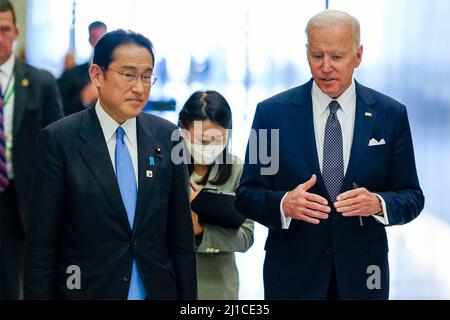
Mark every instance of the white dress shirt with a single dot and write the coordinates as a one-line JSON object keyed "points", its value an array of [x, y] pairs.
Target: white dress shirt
{"points": [[8, 87], [346, 117], [109, 127]]}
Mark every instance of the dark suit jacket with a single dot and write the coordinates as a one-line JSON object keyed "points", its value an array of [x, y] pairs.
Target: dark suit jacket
{"points": [[299, 260], [77, 216], [37, 104], [71, 83]]}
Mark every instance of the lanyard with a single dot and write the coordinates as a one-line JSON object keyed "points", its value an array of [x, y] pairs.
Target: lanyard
{"points": [[8, 93]]}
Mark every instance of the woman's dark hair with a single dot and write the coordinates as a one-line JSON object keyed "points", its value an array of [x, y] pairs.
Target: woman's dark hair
{"points": [[209, 105]]}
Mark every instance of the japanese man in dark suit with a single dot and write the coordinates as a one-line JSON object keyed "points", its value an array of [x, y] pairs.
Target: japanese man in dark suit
{"points": [[109, 211]]}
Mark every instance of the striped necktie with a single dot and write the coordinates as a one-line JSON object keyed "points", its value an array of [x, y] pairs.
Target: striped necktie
{"points": [[4, 181]]}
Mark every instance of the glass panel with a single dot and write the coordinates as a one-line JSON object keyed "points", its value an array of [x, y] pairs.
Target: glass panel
{"points": [[406, 55]]}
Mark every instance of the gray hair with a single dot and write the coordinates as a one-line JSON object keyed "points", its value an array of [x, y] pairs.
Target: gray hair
{"points": [[329, 18]]}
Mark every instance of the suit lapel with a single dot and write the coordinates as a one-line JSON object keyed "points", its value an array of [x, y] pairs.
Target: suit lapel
{"points": [[365, 117], [146, 149], [21, 95], [95, 153], [303, 125]]}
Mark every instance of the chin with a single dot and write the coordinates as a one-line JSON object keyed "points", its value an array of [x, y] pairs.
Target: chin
{"points": [[329, 90]]}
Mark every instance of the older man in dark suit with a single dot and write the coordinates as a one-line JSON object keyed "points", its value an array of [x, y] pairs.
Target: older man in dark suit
{"points": [[29, 101], [346, 170], [109, 212]]}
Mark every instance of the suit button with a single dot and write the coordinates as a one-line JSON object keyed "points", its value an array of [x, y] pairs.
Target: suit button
{"points": [[329, 250], [126, 278]]}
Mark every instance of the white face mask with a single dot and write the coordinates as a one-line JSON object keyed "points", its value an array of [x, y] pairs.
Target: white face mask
{"points": [[204, 154]]}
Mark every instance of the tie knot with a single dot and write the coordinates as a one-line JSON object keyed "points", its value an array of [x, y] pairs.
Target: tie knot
{"points": [[334, 106], [120, 133]]}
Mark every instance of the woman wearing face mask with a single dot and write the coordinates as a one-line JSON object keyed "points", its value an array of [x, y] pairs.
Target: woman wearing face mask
{"points": [[205, 120]]}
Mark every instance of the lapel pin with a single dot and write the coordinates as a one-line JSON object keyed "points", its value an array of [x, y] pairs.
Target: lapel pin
{"points": [[25, 83], [158, 152], [149, 174], [152, 161], [368, 114]]}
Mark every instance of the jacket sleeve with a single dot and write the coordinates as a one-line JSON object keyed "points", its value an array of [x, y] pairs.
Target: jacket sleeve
{"points": [[255, 196], [405, 199], [219, 239], [180, 235], [226, 239], [45, 219]]}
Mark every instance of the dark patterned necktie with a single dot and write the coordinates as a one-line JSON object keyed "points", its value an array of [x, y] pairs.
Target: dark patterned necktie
{"points": [[4, 181], [333, 155]]}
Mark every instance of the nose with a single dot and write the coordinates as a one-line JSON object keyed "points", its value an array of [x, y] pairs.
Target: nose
{"points": [[326, 65], [138, 85]]}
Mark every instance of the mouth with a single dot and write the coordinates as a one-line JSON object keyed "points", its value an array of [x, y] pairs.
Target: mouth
{"points": [[135, 101]]}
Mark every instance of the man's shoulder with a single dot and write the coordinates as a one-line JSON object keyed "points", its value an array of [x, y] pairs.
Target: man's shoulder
{"points": [[68, 124], [377, 98], [81, 69], [157, 122], [285, 98], [33, 72]]}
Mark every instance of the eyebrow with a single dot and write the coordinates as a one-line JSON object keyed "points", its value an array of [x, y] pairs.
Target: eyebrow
{"points": [[134, 68]]}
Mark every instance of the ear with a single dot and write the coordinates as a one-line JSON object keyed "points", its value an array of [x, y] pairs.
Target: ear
{"points": [[359, 54], [17, 32], [96, 74]]}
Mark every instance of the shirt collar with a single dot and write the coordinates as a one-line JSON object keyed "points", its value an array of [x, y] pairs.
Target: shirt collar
{"points": [[109, 125], [344, 99], [8, 67]]}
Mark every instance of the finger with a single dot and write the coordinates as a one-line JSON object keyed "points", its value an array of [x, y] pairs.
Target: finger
{"points": [[353, 213], [315, 198], [192, 196], [310, 183], [346, 209], [348, 194], [346, 203], [302, 211], [317, 207], [307, 219]]}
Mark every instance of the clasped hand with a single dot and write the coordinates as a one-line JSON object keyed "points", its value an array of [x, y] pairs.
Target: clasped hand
{"points": [[309, 207]]}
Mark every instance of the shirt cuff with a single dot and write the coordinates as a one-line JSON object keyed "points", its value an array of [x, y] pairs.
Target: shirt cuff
{"points": [[382, 217], [285, 221]]}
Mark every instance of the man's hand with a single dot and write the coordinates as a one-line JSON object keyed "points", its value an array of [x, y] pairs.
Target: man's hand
{"points": [[302, 205], [358, 202]]}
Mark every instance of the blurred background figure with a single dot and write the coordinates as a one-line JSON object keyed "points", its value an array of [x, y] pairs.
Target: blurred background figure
{"points": [[206, 119], [29, 101], [76, 88]]}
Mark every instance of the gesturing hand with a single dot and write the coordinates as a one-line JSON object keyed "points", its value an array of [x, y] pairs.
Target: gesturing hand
{"points": [[358, 202], [303, 205]]}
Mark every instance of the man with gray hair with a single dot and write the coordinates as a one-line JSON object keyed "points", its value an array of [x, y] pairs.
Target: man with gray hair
{"points": [[347, 171]]}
